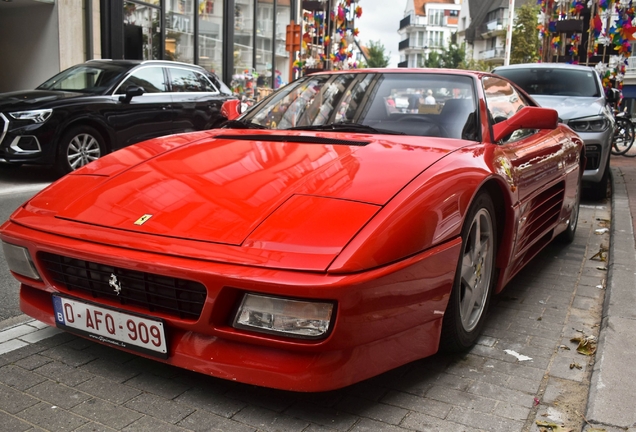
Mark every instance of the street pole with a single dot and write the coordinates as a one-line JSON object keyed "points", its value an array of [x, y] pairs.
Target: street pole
{"points": [[511, 17]]}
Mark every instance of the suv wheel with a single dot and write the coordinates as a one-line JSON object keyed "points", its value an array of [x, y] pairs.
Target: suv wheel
{"points": [[598, 191], [79, 146]]}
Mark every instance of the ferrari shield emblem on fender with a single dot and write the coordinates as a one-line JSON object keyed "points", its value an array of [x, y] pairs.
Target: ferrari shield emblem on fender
{"points": [[142, 220]]}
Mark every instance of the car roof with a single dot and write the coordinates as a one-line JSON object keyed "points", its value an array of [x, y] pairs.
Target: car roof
{"points": [[404, 71], [133, 63], [543, 66]]}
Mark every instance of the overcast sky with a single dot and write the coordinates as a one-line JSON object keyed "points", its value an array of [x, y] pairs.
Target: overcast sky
{"points": [[380, 20]]}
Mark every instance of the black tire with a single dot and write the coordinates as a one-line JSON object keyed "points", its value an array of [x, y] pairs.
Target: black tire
{"points": [[567, 236], [465, 316], [598, 191], [623, 137], [79, 146]]}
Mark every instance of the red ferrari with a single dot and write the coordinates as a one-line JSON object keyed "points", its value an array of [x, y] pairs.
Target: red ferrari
{"points": [[350, 223]]}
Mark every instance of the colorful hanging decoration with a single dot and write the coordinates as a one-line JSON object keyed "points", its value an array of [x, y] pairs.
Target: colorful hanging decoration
{"points": [[612, 42], [320, 49]]}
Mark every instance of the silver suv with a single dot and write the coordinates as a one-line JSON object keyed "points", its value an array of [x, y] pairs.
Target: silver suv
{"points": [[577, 94]]}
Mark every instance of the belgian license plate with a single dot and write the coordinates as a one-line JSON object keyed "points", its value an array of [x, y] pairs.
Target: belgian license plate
{"points": [[110, 326]]}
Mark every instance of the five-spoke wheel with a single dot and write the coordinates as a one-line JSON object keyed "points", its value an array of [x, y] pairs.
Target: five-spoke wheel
{"points": [[79, 146], [475, 277]]}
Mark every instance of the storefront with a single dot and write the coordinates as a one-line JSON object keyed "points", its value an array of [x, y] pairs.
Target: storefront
{"points": [[242, 41]]}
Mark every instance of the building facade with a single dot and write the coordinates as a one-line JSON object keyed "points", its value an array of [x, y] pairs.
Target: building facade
{"points": [[427, 26], [229, 37], [482, 29]]}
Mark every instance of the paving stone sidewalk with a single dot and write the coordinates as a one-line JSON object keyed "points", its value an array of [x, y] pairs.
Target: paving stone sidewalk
{"points": [[55, 381]]}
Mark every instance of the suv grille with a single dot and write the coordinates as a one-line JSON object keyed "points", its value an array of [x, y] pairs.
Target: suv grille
{"points": [[176, 297], [4, 125]]}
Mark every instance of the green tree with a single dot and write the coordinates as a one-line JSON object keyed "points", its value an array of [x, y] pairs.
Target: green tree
{"points": [[451, 57], [376, 56], [525, 36]]}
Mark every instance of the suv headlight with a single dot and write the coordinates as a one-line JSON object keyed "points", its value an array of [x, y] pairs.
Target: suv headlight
{"points": [[36, 116], [589, 124]]}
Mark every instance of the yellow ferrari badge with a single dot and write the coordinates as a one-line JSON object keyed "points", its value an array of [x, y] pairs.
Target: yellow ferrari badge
{"points": [[142, 220]]}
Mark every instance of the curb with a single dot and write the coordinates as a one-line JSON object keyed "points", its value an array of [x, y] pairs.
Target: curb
{"points": [[613, 382]]}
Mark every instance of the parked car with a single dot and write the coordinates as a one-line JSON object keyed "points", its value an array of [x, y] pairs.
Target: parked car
{"points": [[317, 240], [100, 106], [576, 92]]}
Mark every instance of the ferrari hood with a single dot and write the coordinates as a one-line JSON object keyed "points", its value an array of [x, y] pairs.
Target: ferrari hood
{"points": [[227, 188]]}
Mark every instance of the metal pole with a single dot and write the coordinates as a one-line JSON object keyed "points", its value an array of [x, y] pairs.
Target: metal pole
{"points": [[511, 16]]}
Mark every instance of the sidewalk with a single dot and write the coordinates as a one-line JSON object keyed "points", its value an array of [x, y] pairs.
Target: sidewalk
{"points": [[612, 397]]}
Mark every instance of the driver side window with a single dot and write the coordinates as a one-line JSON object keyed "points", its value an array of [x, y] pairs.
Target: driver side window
{"points": [[150, 78], [503, 101]]}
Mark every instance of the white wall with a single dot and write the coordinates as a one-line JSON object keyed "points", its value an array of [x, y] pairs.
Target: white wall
{"points": [[29, 46]]}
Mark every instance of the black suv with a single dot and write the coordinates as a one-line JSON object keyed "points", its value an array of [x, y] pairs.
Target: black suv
{"points": [[100, 106]]}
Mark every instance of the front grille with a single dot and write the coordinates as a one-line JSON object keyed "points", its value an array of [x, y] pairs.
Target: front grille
{"points": [[4, 126], [176, 297], [593, 157]]}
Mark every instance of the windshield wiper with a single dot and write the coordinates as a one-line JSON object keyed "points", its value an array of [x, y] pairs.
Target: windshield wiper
{"points": [[346, 127], [240, 124]]}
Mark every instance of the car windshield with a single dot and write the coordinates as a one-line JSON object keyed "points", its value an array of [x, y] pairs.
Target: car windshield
{"points": [[424, 104], [553, 81], [86, 78]]}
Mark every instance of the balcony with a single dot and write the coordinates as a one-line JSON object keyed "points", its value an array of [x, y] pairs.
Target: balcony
{"points": [[630, 71], [405, 22], [494, 28], [495, 55], [404, 45]]}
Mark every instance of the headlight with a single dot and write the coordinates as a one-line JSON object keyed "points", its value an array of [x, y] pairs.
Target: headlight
{"points": [[19, 261], [36, 116], [590, 124], [295, 318]]}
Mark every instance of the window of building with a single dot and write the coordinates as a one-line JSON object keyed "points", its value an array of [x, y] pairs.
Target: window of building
{"points": [[243, 36], [211, 36], [141, 31], [436, 17], [179, 42]]}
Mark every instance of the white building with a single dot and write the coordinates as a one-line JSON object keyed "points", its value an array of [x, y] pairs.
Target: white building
{"points": [[427, 26], [482, 28]]}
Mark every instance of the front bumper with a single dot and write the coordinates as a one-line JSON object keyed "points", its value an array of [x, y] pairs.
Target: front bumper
{"points": [[385, 318], [598, 147], [26, 143]]}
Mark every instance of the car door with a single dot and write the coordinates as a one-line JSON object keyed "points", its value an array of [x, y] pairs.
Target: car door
{"points": [[534, 161], [146, 116], [196, 101], [536, 157]]}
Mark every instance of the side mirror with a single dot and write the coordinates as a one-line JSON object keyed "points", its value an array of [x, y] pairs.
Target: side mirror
{"points": [[231, 109], [613, 95], [526, 118], [131, 92]]}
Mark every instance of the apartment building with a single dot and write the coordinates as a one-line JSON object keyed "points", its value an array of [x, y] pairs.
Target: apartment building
{"points": [[427, 26], [482, 28]]}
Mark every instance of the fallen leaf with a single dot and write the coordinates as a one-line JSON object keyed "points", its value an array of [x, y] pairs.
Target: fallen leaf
{"points": [[575, 365], [587, 344], [564, 347], [551, 427], [601, 255]]}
